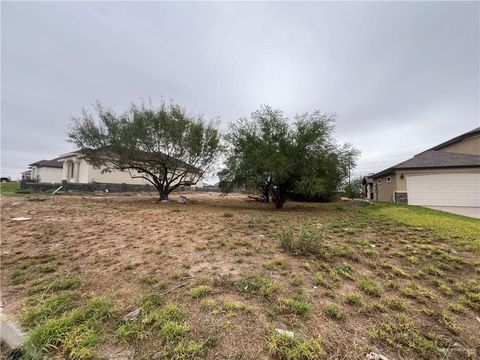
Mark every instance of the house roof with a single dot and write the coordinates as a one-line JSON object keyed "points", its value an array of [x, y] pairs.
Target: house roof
{"points": [[435, 159], [54, 163], [107, 152], [456, 139]]}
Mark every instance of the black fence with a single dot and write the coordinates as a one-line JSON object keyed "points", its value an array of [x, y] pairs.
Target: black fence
{"points": [[94, 186]]}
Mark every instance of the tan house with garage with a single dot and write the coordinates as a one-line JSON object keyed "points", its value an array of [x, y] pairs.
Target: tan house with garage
{"points": [[446, 175]]}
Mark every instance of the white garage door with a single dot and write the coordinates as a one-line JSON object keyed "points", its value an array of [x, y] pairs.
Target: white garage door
{"points": [[456, 189]]}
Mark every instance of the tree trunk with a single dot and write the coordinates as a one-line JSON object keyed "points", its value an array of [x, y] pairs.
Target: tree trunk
{"points": [[163, 195], [279, 198]]}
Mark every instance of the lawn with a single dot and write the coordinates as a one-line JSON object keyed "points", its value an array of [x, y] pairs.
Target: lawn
{"points": [[10, 187], [461, 230], [217, 277]]}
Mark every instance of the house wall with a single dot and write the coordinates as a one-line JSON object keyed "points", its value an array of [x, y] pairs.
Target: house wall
{"points": [[113, 177], [467, 146], [84, 172], [47, 174], [401, 185], [385, 190]]}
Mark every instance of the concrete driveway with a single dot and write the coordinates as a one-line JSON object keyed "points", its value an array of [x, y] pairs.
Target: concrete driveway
{"points": [[473, 212]]}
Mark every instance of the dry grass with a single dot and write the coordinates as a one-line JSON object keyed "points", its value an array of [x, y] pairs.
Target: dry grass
{"points": [[344, 280]]}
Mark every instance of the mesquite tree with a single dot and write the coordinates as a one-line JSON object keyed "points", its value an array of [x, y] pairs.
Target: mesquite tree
{"points": [[163, 145], [264, 151]]}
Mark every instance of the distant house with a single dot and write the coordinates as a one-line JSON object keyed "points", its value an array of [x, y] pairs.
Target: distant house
{"points": [[47, 171], [72, 167], [368, 188], [446, 175]]}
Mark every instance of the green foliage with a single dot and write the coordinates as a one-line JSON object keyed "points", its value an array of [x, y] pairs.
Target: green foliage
{"points": [[285, 347], [174, 331], [266, 152], [131, 330], [164, 145], [261, 284], [370, 287], [74, 334], [44, 309], [354, 189], [333, 311], [294, 306], [304, 241], [459, 230], [200, 291], [353, 299]]}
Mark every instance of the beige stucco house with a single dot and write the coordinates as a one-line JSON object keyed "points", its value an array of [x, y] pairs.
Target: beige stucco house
{"points": [[446, 175], [74, 168], [47, 171]]}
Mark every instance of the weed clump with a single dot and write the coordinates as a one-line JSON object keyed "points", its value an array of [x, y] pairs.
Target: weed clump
{"points": [[200, 291], [370, 287], [305, 241], [283, 346]]}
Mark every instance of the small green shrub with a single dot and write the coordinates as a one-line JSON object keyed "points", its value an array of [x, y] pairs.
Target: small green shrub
{"points": [[294, 306], [227, 214], [285, 347], [174, 331], [306, 241], [200, 291], [370, 287], [333, 311], [354, 299]]}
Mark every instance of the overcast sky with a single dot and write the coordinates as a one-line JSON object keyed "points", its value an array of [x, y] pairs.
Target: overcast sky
{"points": [[402, 77]]}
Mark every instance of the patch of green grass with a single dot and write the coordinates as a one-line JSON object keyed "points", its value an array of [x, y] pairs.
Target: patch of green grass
{"points": [[353, 299], [284, 347], [245, 242], [10, 187], [152, 301], [173, 331], [191, 349], [233, 307], [413, 291], [294, 306], [450, 323], [42, 310], [318, 280], [54, 284], [148, 279], [272, 264], [228, 214], [370, 287], [261, 284], [344, 269], [73, 335], [403, 333], [200, 291], [19, 276], [333, 311], [297, 279], [304, 241], [169, 312], [372, 308], [394, 303], [48, 267], [459, 230], [131, 330]]}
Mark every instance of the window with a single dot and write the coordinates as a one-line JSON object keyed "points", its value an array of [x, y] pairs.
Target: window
{"points": [[389, 179], [379, 181]]}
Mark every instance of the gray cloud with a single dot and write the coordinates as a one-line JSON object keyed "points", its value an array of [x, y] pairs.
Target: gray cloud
{"points": [[402, 77]]}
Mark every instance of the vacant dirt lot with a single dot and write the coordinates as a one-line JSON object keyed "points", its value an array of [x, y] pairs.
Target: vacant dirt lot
{"points": [[214, 278]]}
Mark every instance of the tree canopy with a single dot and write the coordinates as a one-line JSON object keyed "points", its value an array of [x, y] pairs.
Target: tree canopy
{"points": [[266, 152], [164, 145]]}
